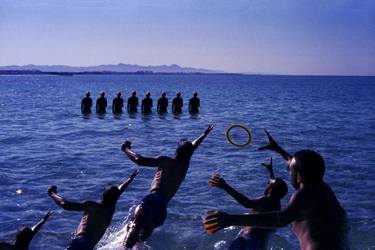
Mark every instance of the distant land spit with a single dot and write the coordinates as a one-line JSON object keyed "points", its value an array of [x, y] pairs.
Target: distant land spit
{"points": [[100, 69]]}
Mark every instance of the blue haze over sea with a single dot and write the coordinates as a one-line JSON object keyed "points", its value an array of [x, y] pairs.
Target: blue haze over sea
{"points": [[45, 140]]}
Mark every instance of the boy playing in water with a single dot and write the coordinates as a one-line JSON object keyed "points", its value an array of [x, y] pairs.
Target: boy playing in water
{"points": [[171, 172], [251, 238], [97, 216], [24, 236], [316, 215]]}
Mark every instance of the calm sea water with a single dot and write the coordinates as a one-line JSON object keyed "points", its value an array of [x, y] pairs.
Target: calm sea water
{"points": [[45, 140]]}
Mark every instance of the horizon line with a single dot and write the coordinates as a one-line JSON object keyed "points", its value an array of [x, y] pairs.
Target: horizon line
{"points": [[168, 65]]}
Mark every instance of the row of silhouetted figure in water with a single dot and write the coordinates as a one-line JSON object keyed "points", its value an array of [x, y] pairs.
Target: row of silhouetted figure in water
{"points": [[133, 103]]}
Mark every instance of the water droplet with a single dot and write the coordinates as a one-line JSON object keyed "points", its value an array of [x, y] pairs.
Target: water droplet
{"points": [[19, 191]]}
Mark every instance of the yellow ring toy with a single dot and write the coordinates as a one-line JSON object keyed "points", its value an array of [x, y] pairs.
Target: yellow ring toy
{"points": [[229, 140]]}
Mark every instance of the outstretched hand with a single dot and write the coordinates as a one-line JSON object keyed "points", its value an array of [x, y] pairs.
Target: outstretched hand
{"points": [[126, 144], [48, 214], [215, 221], [134, 174], [269, 168], [217, 181], [52, 189], [272, 144], [209, 128], [269, 165]]}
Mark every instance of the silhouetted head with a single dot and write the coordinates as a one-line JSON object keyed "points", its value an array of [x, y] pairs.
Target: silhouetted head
{"points": [[306, 167], [195, 94], [88, 94], [102, 94], [184, 150], [110, 195], [148, 94], [178, 94], [276, 188], [163, 94], [23, 237], [119, 94], [134, 93]]}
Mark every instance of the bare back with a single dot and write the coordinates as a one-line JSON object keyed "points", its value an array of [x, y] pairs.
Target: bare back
{"points": [[169, 177], [95, 221], [321, 222]]}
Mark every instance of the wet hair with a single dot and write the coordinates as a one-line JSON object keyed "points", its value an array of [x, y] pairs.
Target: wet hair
{"points": [[163, 94], [134, 92], [110, 195], [184, 150], [119, 93], [310, 165], [102, 93], [277, 188], [195, 94], [148, 93], [88, 93], [24, 236]]}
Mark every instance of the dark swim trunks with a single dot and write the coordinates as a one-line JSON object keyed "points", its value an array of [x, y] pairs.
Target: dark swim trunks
{"points": [[246, 243], [80, 243], [154, 208]]}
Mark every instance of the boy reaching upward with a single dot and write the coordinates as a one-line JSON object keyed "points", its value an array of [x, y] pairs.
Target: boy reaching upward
{"points": [[250, 237]]}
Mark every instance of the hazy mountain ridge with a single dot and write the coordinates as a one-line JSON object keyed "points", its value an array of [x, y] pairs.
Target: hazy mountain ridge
{"points": [[173, 68]]}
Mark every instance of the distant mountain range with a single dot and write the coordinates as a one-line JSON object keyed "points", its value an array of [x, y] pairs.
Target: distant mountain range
{"points": [[116, 68]]}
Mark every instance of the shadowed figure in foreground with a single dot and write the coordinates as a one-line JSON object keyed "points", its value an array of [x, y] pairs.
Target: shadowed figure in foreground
{"points": [[86, 104], [317, 218], [170, 173], [97, 216], [25, 235], [250, 237]]}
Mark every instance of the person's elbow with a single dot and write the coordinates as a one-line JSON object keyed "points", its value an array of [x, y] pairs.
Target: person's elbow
{"points": [[64, 205]]}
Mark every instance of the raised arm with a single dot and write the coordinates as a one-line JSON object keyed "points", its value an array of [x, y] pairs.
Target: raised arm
{"points": [[218, 220], [125, 185], [139, 159], [270, 169], [39, 225], [200, 139], [274, 146], [63, 203], [218, 181]]}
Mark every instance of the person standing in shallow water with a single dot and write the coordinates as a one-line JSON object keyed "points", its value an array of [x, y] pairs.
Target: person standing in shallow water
{"points": [[147, 104], [194, 103], [170, 173], [162, 104], [86, 104], [132, 102], [25, 235], [101, 103], [117, 104], [250, 237], [317, 218], [97, 216], [177, 103]]}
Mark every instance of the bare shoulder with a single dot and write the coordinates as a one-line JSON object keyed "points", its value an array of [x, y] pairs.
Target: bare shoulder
{"points": [[165, 159], [89, 205]]}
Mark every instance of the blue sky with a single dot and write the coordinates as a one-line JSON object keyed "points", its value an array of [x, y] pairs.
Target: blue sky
{"points": [[264, 36]]}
